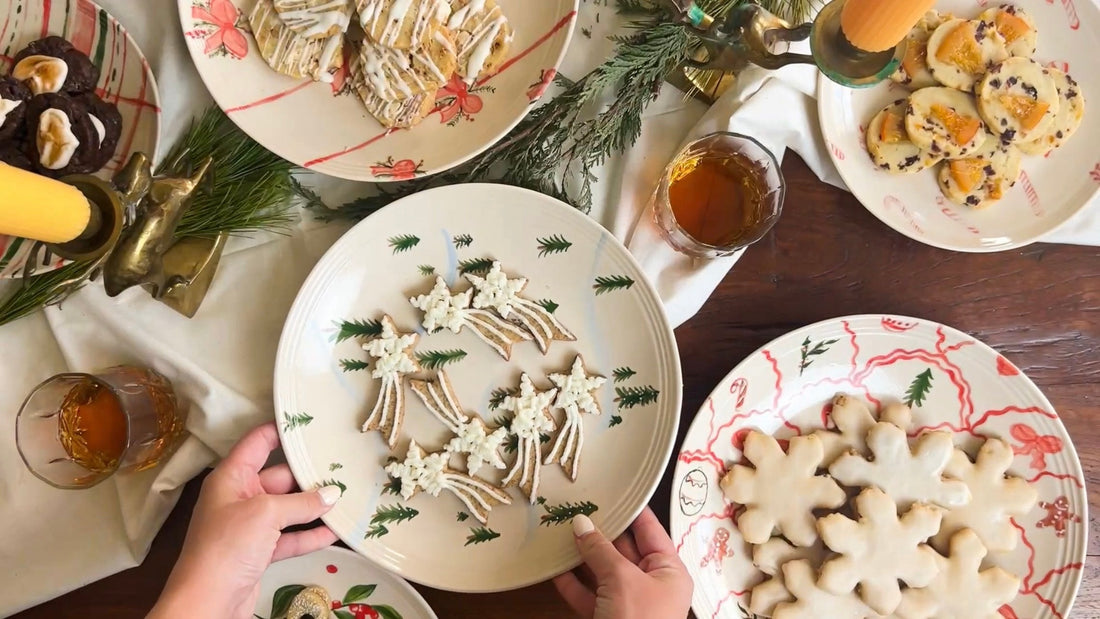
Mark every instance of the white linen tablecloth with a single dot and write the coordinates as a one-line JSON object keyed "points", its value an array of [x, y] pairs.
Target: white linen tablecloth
{"points": [[221, 362]]}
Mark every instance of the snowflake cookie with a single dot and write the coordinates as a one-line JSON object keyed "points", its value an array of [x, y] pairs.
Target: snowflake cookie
{"points": [[477, 441], [996, 498], [531, 419], [783, 489], [813, 602], [853, 419], [576, 395], [879, 549], [495, 291], [392, 351], [764, 597], [907, 475], [770, 556], [443, 310], [961, 589], [429, 472]]}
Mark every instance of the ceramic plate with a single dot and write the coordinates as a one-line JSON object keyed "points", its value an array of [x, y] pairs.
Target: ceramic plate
{"points": [[359, 590], [783, 389], [125, 80], [1050, 190], [337, 136], [574, 267]]}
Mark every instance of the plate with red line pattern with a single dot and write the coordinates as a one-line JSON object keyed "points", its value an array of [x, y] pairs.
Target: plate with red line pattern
{"points": [[325, 128], [125, 79], [1049, 191], [961, 384]]}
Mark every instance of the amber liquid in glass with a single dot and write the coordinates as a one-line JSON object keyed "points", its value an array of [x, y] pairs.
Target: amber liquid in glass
{"points": [[718, 200]]}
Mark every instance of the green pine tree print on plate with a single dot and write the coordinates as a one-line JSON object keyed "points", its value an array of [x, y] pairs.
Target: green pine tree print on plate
{"points": [[297, 420], [463, 517], [623, 373], [426, 269], [480, 535], [436, 359], [548, 305], [553, 245], [614, 421], [811, 350], [403, 243], [475, 266], [919, 388], [610, 283], [629, 397], [354, 365], [463, 240], [333, 482], [358, 328], [335, 466], [565, 512]]}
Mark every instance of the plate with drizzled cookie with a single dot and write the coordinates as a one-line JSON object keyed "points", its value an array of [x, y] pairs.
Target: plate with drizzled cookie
{"points": [[377, 90], [474, 366]]}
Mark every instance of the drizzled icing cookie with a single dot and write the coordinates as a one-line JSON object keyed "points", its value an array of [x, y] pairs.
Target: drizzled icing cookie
{"points": [[444, 310], [483, 36], [429, 472], [395, 75], [576, 395], [402, 24], [392, 351], [315, 19], [291, 53], [530, 419], [501, 294], [473, 438]]}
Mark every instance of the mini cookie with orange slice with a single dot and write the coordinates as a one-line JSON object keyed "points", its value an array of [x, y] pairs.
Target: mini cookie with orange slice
{"points": [[960, 52], [983, 178], [1016, 26], [914, 71], [1071, 111], [1018, 100], [945, 122], [889, 145]]}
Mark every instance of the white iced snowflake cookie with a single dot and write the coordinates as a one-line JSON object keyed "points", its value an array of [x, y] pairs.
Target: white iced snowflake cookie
{"points": [[770, 556], [531, 419], [813, 602], [473, 438], [907, 475], [765, 596], [495, 291], [879, 549], [444, 310], [393, 359], [576, 395], [429, 472], [996, 498], [853, 419], [961, 589], [782, 491]]}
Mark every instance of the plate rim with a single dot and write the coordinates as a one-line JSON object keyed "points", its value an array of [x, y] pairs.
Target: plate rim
{"points": [[392, 579], [183, 8], [827, 93], [675, 516], [663, 330]]}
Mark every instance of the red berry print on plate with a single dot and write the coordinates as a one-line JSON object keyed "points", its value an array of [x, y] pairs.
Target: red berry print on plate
{"points": [[223, 30], [331, 569], [1058, 516], [1034, 445]]}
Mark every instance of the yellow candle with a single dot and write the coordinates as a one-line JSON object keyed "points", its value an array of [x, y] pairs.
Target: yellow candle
{"points": [[40, 208], [879, 25]]}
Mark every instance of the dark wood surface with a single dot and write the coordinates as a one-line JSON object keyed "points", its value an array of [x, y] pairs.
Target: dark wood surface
{"points": [[827, 257]]}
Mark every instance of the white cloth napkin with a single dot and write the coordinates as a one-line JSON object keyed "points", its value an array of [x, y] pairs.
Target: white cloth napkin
{"points": [[221, 362]]}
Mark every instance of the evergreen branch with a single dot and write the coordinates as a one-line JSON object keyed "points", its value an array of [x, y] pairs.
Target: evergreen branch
{"points": [[919, 388], [605, 284], [358, 328], [393, 514], [354, 365], [38, 291], [560, 514], [435, 359], [298, 420], [629, 397], [548, 305], [426, 269], [403, 243], [475, 266], [480, 535], [463, 240], [623, 373], [376, 531], [555, 244], [809, 353]]}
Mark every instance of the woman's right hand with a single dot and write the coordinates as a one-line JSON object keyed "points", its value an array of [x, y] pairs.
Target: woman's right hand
{"points": [[639, 575]]}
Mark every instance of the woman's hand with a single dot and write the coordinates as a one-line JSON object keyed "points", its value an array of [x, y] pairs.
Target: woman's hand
{"points": [[236, 532], [640, 575]]}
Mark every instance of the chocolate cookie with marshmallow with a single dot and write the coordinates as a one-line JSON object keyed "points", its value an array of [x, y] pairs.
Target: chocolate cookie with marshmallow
{"points": [[108, 124], [53, 65], [13, 108], [61, 137]]}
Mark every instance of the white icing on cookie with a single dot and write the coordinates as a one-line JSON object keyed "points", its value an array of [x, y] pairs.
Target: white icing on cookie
{"points": [[55, 139], [430, 473], [442, 310], [6, 107], [501, 294], [42, 74], [575, 396], [480, 446], [315, 21], [531, 418], [393, 359], [390, 349]]}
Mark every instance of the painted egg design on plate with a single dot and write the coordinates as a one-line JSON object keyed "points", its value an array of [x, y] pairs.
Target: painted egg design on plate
{"points": [[693, 492]]}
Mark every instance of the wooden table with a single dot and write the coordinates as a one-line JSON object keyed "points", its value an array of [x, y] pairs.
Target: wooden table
{"points": [[827, 257]]}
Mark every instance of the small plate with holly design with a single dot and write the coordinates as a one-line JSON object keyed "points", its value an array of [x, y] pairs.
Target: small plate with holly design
{"points": [[324, 126], [578, 274], [358, 589], [950, 380]]}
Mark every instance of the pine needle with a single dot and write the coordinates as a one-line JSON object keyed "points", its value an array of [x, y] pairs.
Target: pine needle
{"points": [[38, 291]]}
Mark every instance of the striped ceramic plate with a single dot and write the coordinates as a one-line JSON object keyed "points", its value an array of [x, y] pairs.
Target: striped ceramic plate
{"points": [[125, 80]]}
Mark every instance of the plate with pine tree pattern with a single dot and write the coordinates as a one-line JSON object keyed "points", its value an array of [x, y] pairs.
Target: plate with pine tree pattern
{"points": [[950, 381], [579, 275]]}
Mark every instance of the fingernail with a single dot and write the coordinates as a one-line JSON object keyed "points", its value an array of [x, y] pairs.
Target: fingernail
{"points": [[582, 525], [329, 494]]}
